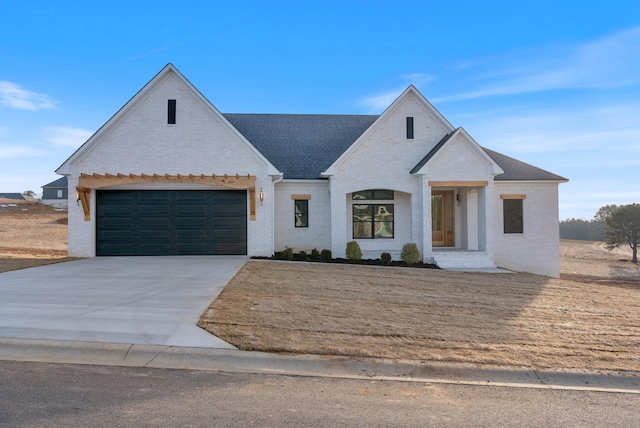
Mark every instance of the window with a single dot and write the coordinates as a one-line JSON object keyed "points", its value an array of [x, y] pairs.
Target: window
{"points": [[512, 213], [59, 194], [409, 128], [376, 194], [301, 212], [371, 221], [171, 112]]}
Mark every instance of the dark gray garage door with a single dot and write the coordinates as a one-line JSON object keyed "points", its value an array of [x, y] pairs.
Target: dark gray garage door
{"points": [[170, 222]]}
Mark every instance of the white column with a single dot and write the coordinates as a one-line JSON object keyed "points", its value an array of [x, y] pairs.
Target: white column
{"points": [[427, 244], [472, 220]]}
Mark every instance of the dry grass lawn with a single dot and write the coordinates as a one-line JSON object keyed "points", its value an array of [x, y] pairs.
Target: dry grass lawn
{"points": [[417, 314], [31, 235], [589, 319]]}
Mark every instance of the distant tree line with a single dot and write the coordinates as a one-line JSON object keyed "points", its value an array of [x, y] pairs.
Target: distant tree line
{"points": [[616, 225], [580, 229], [587, 230]]}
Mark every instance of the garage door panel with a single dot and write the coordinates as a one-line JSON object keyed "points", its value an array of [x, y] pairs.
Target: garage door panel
{"points": [[153, 223], [118, 250], [171, 222], [191, 210], [151, 250], [191, 223], [154, 210]]}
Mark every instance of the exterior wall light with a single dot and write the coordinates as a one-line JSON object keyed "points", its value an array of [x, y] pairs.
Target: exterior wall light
{"points": [[261, 196]]}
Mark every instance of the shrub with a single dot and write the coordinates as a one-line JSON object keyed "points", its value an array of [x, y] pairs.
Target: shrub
{"points": [[325, 255], [353, 251], [315, 254], [286, 254], [303, 255], [385, 258], [410, 254]]}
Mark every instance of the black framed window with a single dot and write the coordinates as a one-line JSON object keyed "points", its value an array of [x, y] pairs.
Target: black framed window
{"points": [[409, 128], [171, 112], [372, 221], [301, 207], [512, 210]]}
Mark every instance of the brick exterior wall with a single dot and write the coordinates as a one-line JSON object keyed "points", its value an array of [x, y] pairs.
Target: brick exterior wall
{"points": [[537, 249], [318, 234], [141, 141]]}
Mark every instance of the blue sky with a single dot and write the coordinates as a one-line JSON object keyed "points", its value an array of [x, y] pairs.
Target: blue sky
{"points": [[554, 84]]}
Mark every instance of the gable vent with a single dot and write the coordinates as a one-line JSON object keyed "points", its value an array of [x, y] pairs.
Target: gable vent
{"points": [[409, 128], [171, 112]]}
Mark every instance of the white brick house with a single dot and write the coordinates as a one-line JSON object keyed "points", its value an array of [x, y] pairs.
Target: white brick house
{"points": [[170, 174]]}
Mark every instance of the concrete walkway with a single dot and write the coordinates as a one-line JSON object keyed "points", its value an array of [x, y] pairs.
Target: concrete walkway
{"points": [[132, 300]]}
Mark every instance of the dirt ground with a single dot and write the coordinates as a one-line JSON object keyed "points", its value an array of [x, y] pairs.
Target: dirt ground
{"points": [[587, 320], [31, 234]]}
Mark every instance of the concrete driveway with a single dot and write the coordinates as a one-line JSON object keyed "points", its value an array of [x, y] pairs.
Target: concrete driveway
{"points": [[134, 300]]}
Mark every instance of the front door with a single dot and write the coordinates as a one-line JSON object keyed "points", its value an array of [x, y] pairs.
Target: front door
{"points": [[442, 230]]}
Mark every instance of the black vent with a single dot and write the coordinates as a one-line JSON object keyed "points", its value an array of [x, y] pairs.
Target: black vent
{"points": [[171, 112]]}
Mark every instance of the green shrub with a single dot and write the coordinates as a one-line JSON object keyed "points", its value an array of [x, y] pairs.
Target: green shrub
{"points": [[385, 258], [325, 255], [303, 255], [353, 251], [286, 254], [410, 254], [315, 255]]}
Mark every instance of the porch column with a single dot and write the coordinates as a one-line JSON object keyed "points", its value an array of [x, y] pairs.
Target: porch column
{"points": [[427, 243], [472, 220]]}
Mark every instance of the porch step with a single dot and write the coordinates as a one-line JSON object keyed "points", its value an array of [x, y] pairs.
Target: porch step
{"points": [[451, 259]]}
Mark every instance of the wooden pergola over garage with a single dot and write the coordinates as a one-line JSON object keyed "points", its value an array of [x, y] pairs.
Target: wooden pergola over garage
{"points": [[87, 182]]}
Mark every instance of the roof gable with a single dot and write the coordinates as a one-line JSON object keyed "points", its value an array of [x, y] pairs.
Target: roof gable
{"points": [[141, 95], [462, 156], [411, 91]]}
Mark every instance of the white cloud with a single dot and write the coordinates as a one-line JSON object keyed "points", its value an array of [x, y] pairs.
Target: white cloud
{"points": [[18, 151], [379, 102], [13, 96], [612, 61], [64, 136], [564, 128]]}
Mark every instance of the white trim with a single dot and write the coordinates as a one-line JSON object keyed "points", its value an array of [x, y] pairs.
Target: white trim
{"points": [[471, 143]]}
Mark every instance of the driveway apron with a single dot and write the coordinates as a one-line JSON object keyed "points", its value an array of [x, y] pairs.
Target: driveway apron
{"points": [[137, 300]]}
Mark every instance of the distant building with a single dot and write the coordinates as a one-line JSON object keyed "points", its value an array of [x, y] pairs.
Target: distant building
{"points": [[17, 196], [56, 193]]}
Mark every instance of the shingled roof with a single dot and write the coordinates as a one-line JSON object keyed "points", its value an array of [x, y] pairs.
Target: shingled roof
{"points": [[302, 146], [59, 183], [515, 170]]}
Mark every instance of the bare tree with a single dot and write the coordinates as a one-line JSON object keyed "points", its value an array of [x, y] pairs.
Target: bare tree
{"points": [[623, 227]]}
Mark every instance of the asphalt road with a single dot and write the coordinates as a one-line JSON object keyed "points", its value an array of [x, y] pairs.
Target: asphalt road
{"points": [[52, 395]]}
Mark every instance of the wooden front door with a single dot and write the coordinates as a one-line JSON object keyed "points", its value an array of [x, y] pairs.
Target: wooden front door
{"points": [[442, 215]]}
